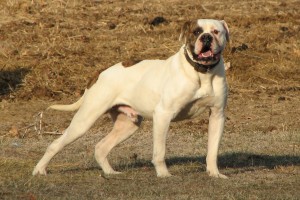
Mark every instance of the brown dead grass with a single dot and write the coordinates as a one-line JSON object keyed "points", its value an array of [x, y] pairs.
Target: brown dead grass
{"points": [[50, 49], [58, 40]]}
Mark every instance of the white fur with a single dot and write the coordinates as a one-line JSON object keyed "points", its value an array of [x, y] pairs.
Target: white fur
{"points": [[162, 90]]}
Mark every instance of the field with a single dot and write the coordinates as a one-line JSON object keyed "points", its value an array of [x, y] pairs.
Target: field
{"points": [[50, 49]]}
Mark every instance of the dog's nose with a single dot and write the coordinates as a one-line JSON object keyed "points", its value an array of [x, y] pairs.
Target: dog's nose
{"points": [[206, 39]]}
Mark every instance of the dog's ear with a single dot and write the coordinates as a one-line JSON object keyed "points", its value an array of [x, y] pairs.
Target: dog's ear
{"points": [[184, 31], [226, 29]]}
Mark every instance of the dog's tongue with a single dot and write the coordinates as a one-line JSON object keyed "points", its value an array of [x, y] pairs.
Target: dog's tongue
{"points": [[205, 54]]}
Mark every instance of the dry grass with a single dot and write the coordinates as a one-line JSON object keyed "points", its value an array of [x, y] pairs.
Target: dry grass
{"points": [[49, 49], [65, 39]]}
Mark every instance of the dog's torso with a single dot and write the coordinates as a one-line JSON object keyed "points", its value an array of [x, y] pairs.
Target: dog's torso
{"points": [[172, 83]]}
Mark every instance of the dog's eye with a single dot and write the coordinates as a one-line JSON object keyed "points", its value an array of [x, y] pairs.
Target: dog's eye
{"points": [[216, 32], [197, 31]]}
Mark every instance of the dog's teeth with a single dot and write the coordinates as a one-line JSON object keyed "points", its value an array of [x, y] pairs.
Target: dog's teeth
{"points": [[206, 54]]}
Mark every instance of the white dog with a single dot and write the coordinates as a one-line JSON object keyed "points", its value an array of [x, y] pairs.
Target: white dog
{"points": [[178, 88]]}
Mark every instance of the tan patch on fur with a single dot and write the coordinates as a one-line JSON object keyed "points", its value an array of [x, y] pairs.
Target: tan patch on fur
{"points": [[191, 37], [129, 63], [93, 79], [187, 33]]}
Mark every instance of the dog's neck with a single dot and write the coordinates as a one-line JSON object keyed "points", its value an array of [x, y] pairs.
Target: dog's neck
{"points": [[197, 66]]}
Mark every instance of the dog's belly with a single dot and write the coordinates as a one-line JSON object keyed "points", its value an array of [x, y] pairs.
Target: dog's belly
{"points": [[144, 100], [145, 106], [189, 111]]}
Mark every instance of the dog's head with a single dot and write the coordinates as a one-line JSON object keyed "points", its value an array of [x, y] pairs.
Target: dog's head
{"points": [[205, 39]]}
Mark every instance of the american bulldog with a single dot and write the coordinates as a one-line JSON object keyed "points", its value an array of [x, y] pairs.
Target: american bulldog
{"points": [[178, 88]]}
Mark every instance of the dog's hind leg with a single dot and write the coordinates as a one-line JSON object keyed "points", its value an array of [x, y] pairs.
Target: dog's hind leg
{"points": [[89, 111], [123, 128]]}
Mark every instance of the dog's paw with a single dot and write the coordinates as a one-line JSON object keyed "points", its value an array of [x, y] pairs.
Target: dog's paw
{"points": [[37, 171], [164, 175], [115, 172], [161, 169], [111, 172], [222, 176]]}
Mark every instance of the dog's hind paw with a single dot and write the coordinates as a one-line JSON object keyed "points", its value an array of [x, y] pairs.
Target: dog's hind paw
{"points": [[111, 172], [114, 172], [222, 176], [37, 171]]}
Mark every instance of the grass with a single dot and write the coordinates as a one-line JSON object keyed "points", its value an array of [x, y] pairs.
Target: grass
{"points": [[256, 170]]}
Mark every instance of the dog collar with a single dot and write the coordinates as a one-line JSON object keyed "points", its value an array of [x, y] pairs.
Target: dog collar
{"points": [[197, 66]]}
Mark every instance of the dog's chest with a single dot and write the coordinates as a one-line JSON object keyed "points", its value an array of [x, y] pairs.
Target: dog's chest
{"points": [[194, 109]]}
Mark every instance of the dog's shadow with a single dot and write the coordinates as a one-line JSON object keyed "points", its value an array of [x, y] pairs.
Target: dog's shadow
{"points": [[240, 161], [229, 160], [11, 79]]}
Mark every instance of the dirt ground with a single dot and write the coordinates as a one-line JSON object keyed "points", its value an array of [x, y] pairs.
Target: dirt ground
{"points": [[50, 49]]}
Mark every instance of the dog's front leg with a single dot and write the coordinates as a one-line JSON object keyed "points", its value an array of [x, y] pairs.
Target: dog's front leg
{"points": [[206, 89], [215, 131], [161, 122]]}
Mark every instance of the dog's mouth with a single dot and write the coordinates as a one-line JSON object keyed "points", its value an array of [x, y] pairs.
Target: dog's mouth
{"points": [[207, 55]]}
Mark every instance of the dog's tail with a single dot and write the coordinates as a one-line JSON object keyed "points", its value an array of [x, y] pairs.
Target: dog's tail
{"points": [[70, 107]]}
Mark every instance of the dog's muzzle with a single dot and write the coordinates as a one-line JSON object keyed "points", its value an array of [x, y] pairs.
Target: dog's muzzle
{"points": [[206, 53]]}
